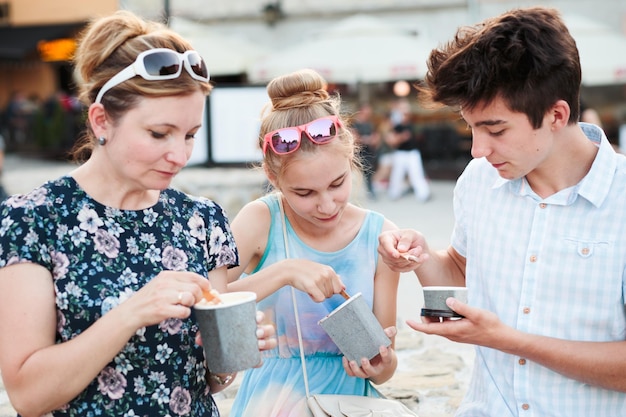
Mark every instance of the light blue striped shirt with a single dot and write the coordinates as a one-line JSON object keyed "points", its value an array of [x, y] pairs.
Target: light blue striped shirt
{"points": [[553, 267]]}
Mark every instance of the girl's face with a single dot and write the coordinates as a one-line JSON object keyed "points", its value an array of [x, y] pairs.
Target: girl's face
{"points": [[317, 186], [153, 141]]}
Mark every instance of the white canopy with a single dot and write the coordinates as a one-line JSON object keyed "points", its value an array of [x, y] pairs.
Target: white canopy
{"points": [[357, 49], [602, 51], [224, 54]]}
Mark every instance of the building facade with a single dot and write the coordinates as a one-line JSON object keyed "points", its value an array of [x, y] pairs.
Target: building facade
{"points": [[279, 24], [37, 38]]}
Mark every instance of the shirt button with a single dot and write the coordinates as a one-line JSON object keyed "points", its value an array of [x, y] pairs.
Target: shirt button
{"points": [[533, 258], [526, 310], [543, 205], [522, 361], [525, 407], [585, 251]]}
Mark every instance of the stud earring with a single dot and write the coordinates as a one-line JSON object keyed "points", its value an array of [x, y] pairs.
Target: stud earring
{"points": [[102, 140]]}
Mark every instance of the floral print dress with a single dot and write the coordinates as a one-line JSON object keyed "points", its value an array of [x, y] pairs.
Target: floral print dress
{"points": [[100, 256]]}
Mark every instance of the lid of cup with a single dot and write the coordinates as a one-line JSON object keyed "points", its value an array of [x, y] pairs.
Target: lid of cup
{"points": [[427, 312]]}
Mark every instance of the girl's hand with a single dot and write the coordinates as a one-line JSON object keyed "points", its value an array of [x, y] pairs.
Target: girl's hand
{"points": [[318, 280], [380, 368]]}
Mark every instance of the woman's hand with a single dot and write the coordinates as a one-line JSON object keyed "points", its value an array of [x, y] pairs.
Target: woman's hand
{"points": [[265, 333], [171, 294]]}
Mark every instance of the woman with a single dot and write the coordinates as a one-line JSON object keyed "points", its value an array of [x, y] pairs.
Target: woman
{"points": [[309, 158], [100, 268]]}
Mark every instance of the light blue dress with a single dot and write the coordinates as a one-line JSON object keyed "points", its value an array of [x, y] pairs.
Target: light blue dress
{"points": [[277, 388]]}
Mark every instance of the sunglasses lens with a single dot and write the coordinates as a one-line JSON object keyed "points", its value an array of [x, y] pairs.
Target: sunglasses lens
{"points": [[321, 130], [162, 63], [197, 65], [285, 140]]}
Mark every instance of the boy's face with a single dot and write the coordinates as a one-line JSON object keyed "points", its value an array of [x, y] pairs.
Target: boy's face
{"points": [[507, 139]]}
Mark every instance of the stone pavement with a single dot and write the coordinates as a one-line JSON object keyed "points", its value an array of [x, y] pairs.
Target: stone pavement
{"points": [[433, 372]]}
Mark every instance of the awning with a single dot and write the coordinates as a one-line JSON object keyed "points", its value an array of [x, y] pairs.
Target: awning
{"points": [[601, 49], [20, 42], [225, 54], [359, 48]]}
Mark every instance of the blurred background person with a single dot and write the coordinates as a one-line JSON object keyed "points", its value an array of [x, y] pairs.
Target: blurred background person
{"points": [[406, 157], [368, 139], [589, 115]]}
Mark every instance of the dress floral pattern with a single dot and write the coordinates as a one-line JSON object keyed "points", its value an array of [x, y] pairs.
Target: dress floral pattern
{"points": [[100, 256]]}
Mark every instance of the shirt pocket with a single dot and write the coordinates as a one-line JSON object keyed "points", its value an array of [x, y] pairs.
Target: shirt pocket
{"points": [[594, 269], [585, 248]]}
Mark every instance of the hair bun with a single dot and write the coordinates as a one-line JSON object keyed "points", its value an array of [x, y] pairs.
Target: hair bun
{"points": [[299, 89], [303, 99]]}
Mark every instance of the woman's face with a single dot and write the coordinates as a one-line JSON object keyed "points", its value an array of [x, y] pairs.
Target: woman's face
{"points": [[317, 186], [152, 142]]}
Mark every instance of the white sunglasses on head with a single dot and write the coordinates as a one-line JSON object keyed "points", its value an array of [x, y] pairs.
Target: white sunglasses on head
{"points": [[159, 64]]}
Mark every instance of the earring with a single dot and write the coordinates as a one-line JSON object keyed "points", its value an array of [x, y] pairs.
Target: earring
{"points": [[102, 140]]}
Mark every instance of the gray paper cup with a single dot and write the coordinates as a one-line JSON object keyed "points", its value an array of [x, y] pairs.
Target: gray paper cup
{"points": [[355, 330], [435, 300], [228, 332]]}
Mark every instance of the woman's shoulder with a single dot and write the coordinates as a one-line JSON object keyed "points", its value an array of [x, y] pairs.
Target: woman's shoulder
{"points": [[44, 211], [45, 197]]}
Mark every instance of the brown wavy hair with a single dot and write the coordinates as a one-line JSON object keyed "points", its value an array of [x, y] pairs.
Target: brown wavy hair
{"points": [[108, 45]]}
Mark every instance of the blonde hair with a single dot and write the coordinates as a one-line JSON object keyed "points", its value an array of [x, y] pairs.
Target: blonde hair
{"points": [[298, 98], [110, 44]]}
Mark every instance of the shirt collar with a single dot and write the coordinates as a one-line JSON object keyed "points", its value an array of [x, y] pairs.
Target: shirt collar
{"points": [[594, 186]]}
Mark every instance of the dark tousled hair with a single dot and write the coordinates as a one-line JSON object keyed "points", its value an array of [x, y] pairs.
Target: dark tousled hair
{"points": [[526, 56]]}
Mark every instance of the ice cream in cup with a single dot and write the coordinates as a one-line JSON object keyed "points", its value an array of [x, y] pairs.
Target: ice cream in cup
{"points": [[227, 324]]}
